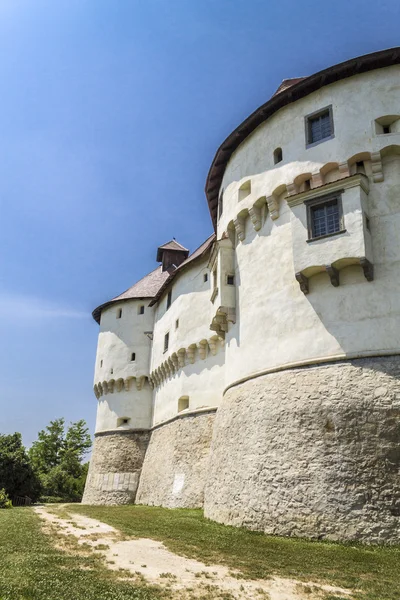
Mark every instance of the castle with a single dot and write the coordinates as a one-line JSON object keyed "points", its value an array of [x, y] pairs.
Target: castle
{"points": [[258, 377]]}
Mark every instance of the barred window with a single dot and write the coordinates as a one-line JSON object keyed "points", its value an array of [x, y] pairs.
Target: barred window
{"points": [[319, 126], [324, 217]]}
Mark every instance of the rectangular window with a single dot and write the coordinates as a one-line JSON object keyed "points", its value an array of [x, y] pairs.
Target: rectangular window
{"points": [[133, 356], [205, 277], [319, 126], [166, 341], [221, 204], [177, 324], [141, 310], [119, 313], [230, 279], [169, 299], [324, 216]]}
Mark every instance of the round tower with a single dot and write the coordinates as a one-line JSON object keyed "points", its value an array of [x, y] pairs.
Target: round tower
{"points": [[124, 395]]}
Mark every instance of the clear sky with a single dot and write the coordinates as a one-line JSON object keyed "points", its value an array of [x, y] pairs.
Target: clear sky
{"points": [[111, 112]]}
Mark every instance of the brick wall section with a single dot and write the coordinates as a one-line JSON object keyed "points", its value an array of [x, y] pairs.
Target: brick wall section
{"points": [[311, 452], [177, 462], [115, 466]]}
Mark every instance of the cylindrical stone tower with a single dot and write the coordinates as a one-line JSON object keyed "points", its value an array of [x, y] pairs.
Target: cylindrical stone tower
{"points": [[124, 395]]}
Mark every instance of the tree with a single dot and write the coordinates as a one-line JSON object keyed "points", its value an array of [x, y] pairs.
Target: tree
{"points": [[17, 475], [57, 457]]}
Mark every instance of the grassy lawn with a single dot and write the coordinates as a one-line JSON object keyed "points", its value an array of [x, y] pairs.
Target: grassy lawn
{"points": [[373, 571], [32, 569]]}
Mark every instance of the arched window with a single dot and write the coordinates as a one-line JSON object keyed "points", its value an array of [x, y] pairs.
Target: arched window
{"points": [[278, 156], [183, 403]]}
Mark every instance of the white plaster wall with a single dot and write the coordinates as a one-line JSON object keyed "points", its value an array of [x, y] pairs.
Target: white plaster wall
{"points": [[202, 381], [356, 101], [118, 338], [134, 405]]}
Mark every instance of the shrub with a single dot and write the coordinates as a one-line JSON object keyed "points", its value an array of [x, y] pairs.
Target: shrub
{"points": [[51, 499], [5, 501]]}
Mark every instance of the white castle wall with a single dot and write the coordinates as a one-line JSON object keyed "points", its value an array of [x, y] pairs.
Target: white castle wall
{"points": [[203, 380]]}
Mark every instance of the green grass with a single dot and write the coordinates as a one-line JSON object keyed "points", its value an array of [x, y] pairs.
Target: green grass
{"points": [[374, 571], [32, 569]]}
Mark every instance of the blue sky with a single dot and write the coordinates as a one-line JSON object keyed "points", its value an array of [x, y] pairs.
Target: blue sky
{"points": [[111, 112]]}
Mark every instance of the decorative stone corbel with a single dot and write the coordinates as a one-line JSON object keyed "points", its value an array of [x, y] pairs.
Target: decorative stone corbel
{"points": [[140, 382], [255, 216], [96, 392], [202, 349], [100, 389], [105, 387], [127, 384], [368, 269], [119, 384], [240, 228], [273, 207], [303, 282], [344, 170], [175, 361], [376, 165], [181, 357], [333, 275], [213, 343], [191, 353], [171, 366], [111, 386]]}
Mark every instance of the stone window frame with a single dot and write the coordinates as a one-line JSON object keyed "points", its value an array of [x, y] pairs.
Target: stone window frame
{"points": [[321, 201], [307, 122]]}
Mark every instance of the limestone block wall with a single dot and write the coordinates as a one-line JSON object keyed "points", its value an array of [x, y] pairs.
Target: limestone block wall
{"points": [[115, 467], [312, 452], [177, 462]]}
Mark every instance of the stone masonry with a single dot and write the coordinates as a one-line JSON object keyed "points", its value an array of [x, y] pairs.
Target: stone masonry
{"points": [[177, 462], [312, 452], [115, 467]]}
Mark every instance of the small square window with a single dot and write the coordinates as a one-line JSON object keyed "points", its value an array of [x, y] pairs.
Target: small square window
{"points": [[119, 313], [141, 310], [205, 277], [177, 324], [319, 126], [133, 356], [169, 299], [166, 341], [230, 280], [386, 129], [325, 217]]}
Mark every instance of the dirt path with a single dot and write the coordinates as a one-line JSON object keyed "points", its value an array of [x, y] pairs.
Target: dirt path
{"points": [[187, 578]]}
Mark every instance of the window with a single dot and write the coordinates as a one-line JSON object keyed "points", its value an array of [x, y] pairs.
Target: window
{"points": [[177, 324], [319, 126], [119, 313], [166, 341], [169, 299], [133, 356], [324, 217], [123, 421], [278, 156], [183, 403], [230, 279], [101, 363], [205, 276], [111, 371], [141, 310], [387, 124], [386, 129], [221, 204]]}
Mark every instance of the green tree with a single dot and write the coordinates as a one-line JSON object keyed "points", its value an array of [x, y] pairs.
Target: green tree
{"points": [[17, 475], [57, 456]]}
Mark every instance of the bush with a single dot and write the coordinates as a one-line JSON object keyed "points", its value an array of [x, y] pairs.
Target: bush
{"points": [[5, 501], [51, 499]]}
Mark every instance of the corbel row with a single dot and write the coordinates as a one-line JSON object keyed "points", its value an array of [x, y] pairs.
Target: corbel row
{"points": [[118, 385], [300, 184], [365, 264], [185, 356]]}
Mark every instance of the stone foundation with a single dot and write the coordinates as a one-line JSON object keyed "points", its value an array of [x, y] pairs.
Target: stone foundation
{"points": [[311, 452], [177, 462], [115, 466]]}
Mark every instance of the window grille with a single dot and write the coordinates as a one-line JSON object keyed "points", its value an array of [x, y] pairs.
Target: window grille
{"points": [[166, 341], [319, 126], [325, 219]]}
